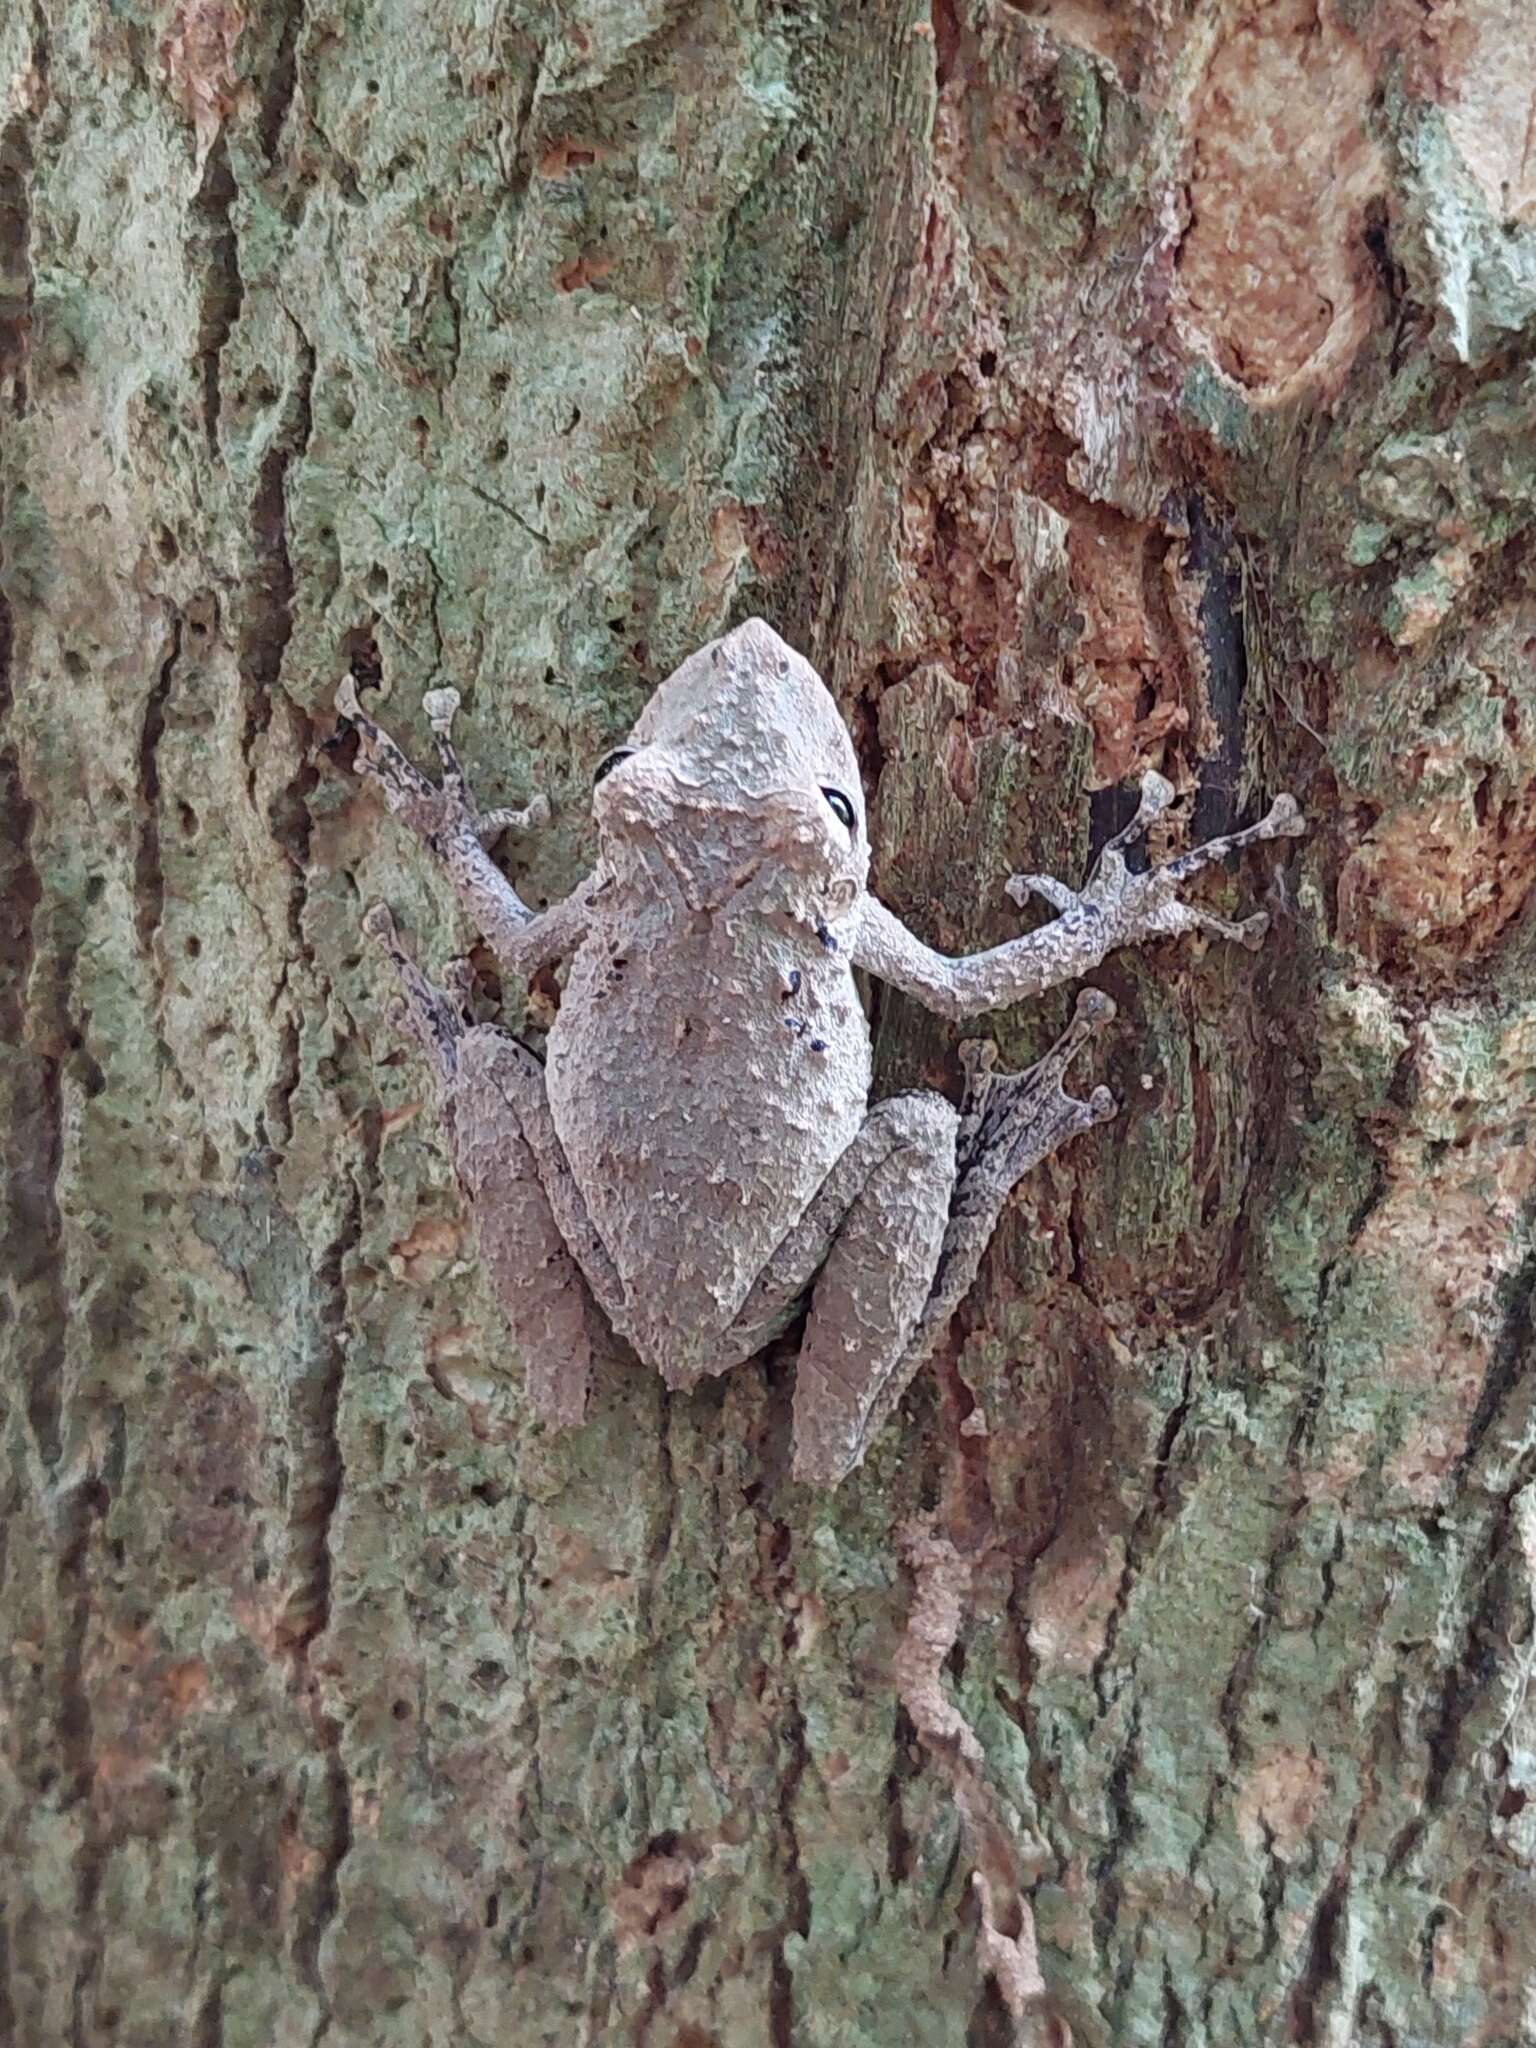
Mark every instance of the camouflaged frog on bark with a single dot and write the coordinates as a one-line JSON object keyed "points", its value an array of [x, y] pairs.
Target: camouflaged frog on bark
{"points": [[699, 1154]]}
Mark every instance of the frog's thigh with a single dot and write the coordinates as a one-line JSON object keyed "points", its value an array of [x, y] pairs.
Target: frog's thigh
{"points": [[874, 1283], [891, 1127], [518, 1182]]}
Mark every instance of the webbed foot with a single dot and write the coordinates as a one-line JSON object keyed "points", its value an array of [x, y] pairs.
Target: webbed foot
{"points": [[1009, 1122], [430, 810], [1136, 907]]}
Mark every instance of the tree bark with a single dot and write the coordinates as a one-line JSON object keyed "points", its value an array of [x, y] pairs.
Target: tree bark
{"points": [[1085, 387]]}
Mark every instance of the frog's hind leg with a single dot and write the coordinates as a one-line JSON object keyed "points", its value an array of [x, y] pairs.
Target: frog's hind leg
{"points": [[1008, 1124], [435, 1018], [903, 1155], [515, 1179], [882, 1212]]}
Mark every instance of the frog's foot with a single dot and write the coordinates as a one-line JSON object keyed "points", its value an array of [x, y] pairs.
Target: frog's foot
{"points": [[1137, 907], [1010, 1122], [432, 812], [433, 1017]]}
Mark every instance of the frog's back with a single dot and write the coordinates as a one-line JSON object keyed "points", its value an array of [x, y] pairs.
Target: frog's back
{"points": [[702, 1083]]}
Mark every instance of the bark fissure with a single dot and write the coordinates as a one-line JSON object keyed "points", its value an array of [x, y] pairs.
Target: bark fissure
{"points": [[1147, 1531], [267, 626], [7, 2005], [325, 1906], [17, 282], [209, 2022], [37, 1237], [1320, 1966], [316, 1472], [796, 1918], [223, 286], [149, 877], [282, 80], [15, 255], [80, 1514], [1224, 644], [1510, 1358], [34, 1227], [898, 1842]]}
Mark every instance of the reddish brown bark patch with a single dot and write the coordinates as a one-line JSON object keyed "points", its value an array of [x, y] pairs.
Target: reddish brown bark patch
{"points": [[567, 155], [1436, 883], [589, 268], [1276, 278], [197, 63]]}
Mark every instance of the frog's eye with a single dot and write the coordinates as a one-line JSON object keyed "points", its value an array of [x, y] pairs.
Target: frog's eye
{"points": [[842, 807], [609, 762]]}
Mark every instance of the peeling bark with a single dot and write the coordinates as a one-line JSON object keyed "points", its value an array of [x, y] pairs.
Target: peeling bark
{"points": [[1087, 388]]}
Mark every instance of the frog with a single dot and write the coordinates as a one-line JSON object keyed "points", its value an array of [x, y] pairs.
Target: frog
{"points": [[695, 1162]]}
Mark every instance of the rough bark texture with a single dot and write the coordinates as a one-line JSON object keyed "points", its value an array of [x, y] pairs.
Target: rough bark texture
{"points": [[1085, 386]]}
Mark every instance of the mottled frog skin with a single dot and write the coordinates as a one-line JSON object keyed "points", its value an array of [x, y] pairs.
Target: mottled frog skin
{"points": [[711, 1059], [699, 1158]]}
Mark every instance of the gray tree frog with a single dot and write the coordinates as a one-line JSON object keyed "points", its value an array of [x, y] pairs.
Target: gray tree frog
{"points": [[698, 1154]]}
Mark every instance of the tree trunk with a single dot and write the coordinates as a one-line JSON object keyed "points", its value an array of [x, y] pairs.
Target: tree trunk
{"points": [[1085, 387]]}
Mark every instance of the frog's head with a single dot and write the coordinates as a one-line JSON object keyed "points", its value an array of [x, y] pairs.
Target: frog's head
{"points": [[740, 775]]}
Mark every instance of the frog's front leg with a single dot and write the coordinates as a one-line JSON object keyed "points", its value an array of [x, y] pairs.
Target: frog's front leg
{"points": [[455, 831], [871, 1328], [1115, 908], [544, 1256]]}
